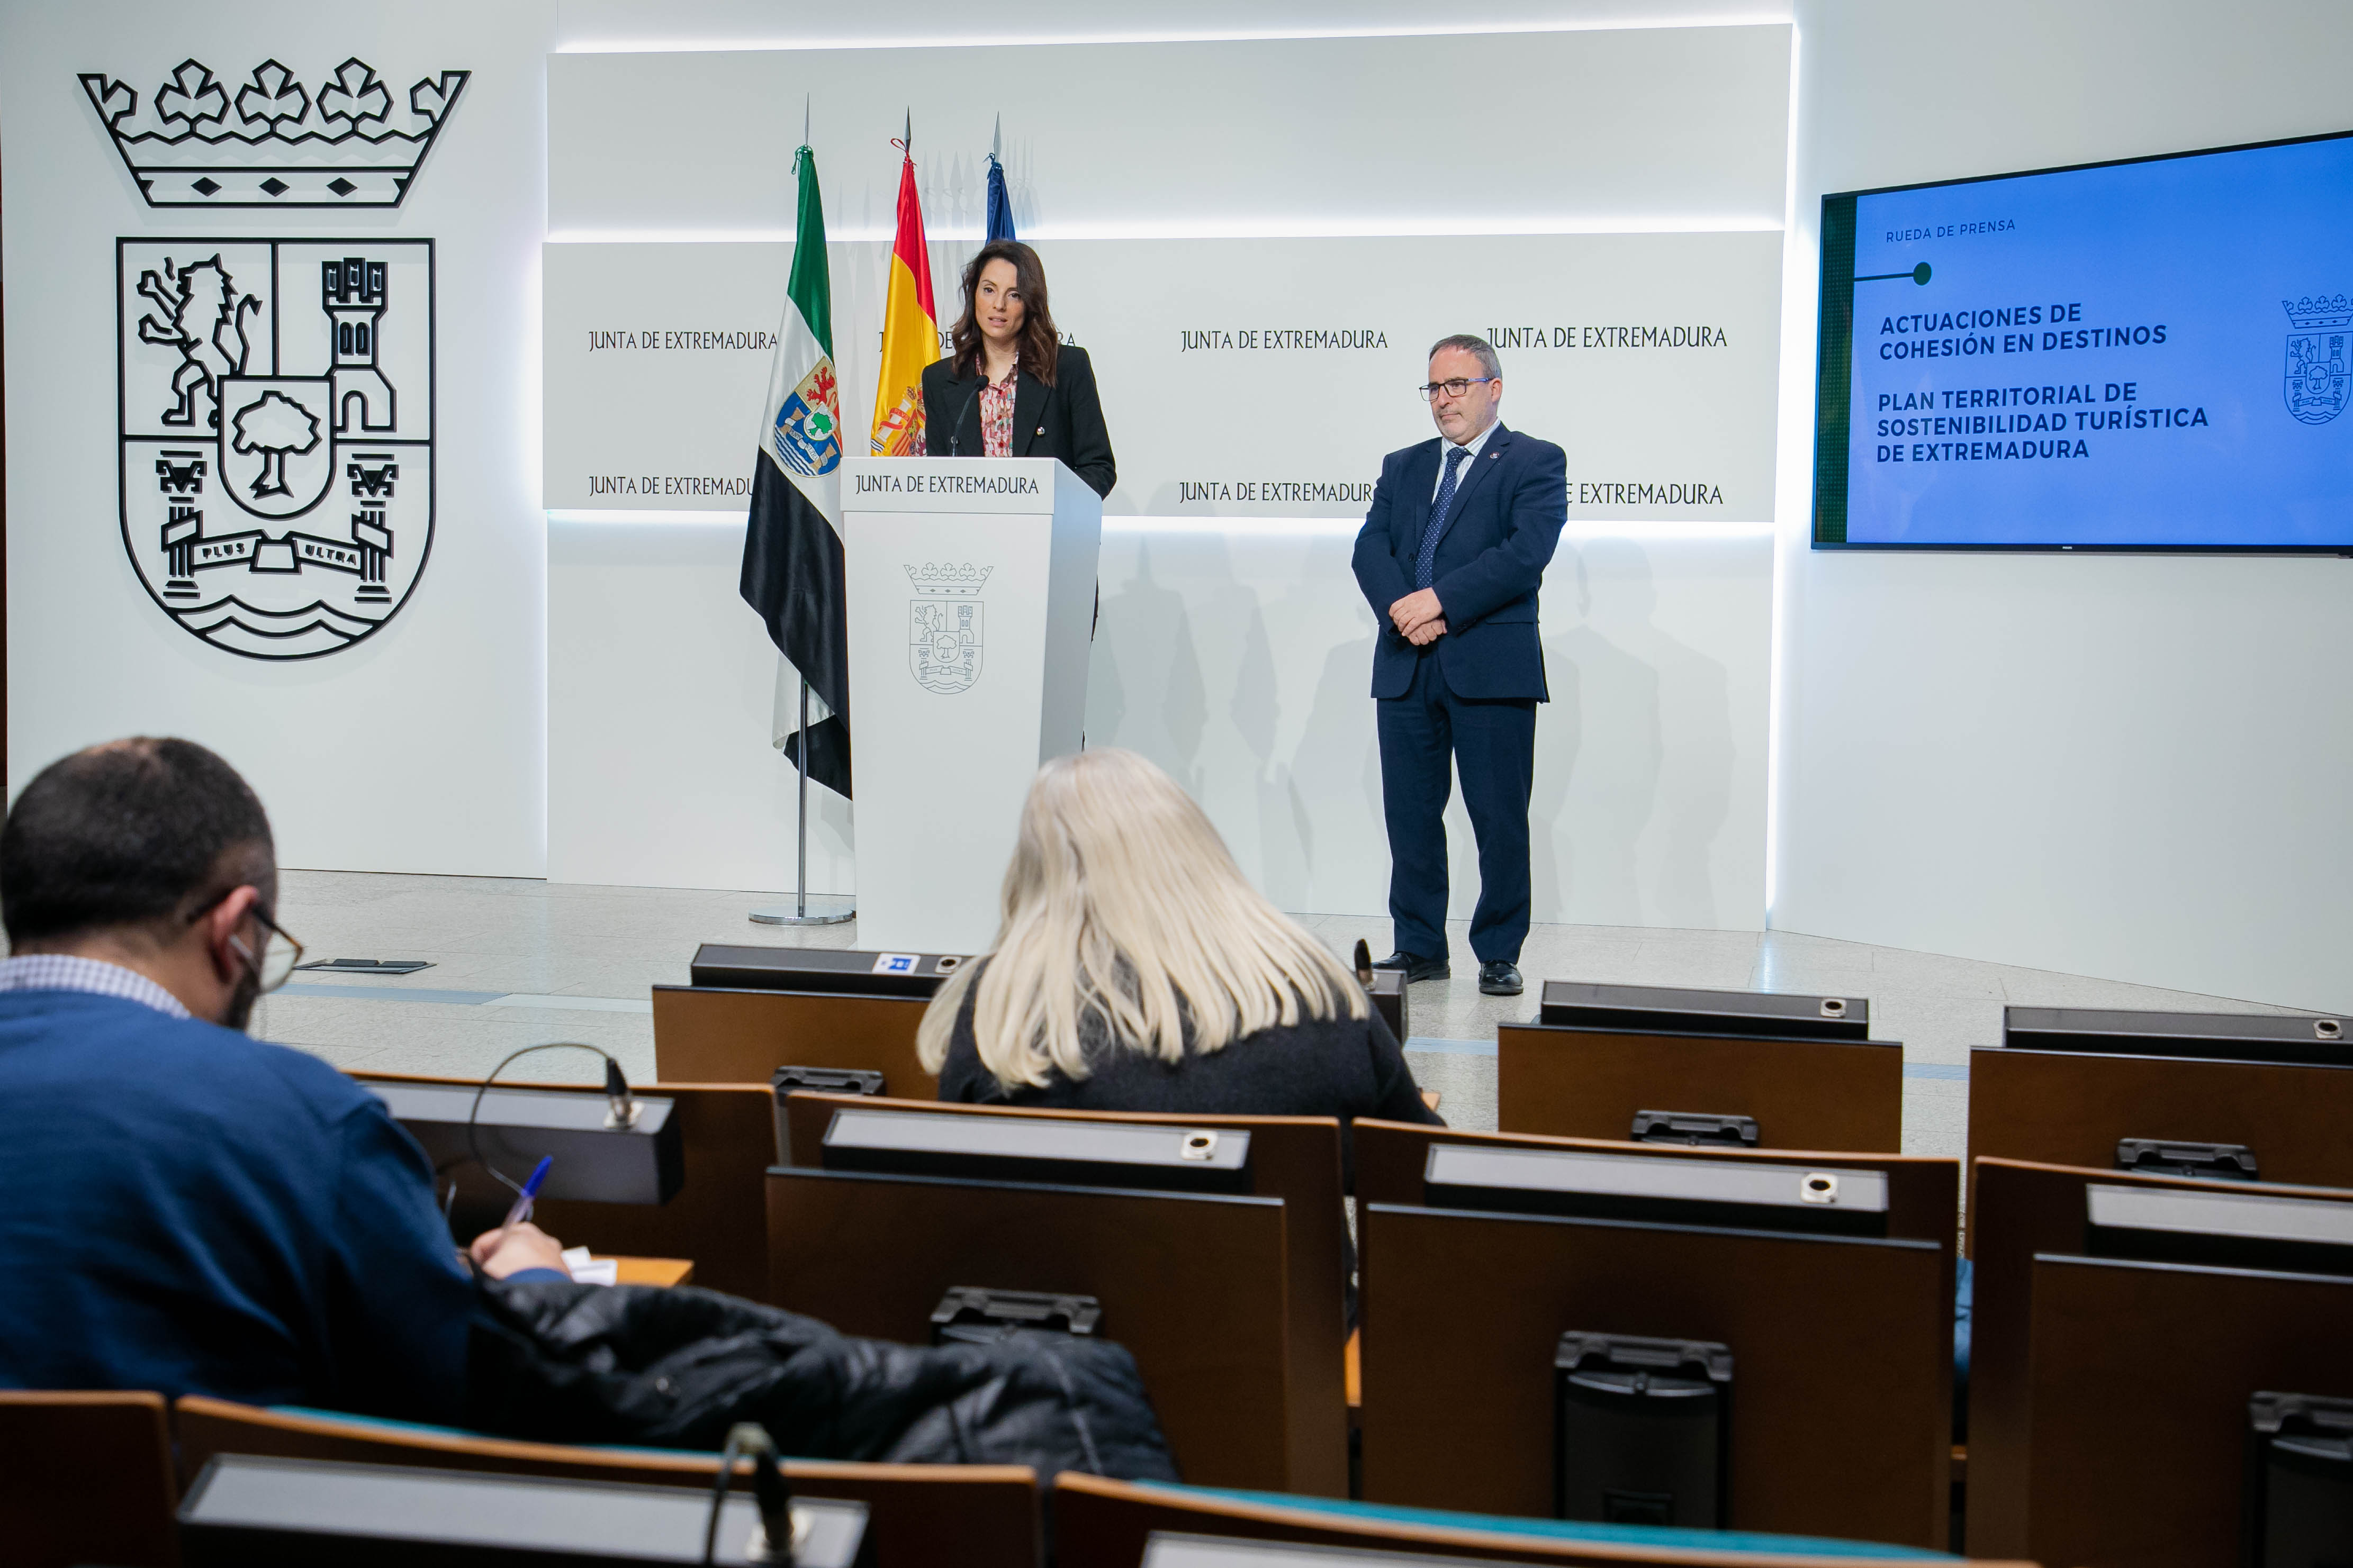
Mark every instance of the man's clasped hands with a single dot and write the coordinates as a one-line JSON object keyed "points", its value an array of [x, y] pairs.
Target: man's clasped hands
{"points": [[1419, 617]]}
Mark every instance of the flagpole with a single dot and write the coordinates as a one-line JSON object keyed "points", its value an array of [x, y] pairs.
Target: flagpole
{"points": [[801, 872], [829, 912], [801, 911]]}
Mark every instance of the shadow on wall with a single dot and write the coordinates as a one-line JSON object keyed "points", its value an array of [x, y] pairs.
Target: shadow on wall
{"points": [[1144, 627], [1634, 756], [1318, 803]]}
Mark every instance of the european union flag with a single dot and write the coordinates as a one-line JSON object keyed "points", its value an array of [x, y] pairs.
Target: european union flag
{"points": [[1000, 205]]}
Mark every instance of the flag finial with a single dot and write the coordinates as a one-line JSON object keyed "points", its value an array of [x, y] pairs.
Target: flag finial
{"points": [[996, 137]]}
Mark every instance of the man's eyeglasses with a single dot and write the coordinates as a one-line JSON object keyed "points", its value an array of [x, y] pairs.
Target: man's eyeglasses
{"points": [[279, 954], [1455, 388]]}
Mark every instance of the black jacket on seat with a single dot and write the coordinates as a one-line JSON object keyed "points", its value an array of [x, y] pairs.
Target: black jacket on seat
{"points": [[554, 1362]]}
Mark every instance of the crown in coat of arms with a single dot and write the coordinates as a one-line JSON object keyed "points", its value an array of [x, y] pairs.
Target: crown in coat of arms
{"points": [[269, 141], [941, 579], [2314, 312]]}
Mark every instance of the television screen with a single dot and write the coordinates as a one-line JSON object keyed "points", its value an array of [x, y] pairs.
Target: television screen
{"points": [[2153, 354]]}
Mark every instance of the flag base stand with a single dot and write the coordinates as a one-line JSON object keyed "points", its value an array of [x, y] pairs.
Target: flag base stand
{"points": [[808, 912], [805, 910]]}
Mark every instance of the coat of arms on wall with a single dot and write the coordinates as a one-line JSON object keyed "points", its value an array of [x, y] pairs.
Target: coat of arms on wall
{"points": [[275, 408]]}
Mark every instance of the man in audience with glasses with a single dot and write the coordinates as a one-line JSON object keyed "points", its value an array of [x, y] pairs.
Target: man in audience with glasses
{"points": [[183, 1208], [1451, 552]]}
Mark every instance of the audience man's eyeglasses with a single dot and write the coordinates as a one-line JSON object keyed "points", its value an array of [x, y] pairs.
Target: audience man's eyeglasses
{"points": [[1455, 388], [279, 954]]}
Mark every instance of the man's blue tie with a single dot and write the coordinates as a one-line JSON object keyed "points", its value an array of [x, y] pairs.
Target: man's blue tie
{"points": [[1425, 564]]}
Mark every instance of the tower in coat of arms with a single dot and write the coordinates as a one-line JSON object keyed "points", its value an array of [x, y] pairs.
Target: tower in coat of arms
{"points": [[945, 625], [2319, 367]]}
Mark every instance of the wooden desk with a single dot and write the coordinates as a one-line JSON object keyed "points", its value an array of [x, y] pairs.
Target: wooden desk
{"points": [[1295, 1158], [2017, 1209], [727, 1133], [975, 1516], [1190, 1284], [709, 1035], [1841, 1410], [1923, 1191], [662, 1272], [1580, 1082], [2138, 1400], [2069, 1107]]}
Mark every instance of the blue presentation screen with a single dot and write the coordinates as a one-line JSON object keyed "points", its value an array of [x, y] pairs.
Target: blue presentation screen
{"points": [[2147, 355]]}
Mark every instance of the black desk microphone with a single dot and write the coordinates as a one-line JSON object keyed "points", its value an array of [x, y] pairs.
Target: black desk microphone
{"points": [[956, 431]]}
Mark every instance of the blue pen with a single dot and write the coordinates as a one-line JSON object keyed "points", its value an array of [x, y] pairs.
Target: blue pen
{"points": [[522, 1209]]}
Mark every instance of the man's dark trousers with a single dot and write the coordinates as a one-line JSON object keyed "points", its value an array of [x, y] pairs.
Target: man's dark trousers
{"points": [[1422, 734]]}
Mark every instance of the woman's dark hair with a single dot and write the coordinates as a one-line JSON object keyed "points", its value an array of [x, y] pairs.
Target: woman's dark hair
{"points": [[1040, 342], [131, 832]]}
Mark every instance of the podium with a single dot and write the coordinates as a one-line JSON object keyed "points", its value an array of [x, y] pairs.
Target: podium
{"points": [[970, 587]]}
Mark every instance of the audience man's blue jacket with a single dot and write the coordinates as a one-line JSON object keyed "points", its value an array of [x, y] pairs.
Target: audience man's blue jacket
{"points": [[188, 1210]]}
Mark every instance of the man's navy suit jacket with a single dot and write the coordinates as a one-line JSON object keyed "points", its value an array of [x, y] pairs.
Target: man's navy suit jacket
{"points": [[1508, 509]]}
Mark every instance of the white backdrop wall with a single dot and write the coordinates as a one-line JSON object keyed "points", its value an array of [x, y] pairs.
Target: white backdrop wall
{"points": [[426, 747], [1235, 651], [2123, 766]]}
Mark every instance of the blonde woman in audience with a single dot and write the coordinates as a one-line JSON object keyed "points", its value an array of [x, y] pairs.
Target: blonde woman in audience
{"points": [[1136, 970]]}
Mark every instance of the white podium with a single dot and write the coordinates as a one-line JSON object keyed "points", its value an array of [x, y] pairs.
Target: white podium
{"points": [[972, 586]]}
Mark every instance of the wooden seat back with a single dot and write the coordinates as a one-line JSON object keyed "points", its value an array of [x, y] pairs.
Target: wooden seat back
{"points": [[86, 1477], [1295, 1158], [986, 1515], [714, 1035], [1101, 1523], [2069, 1107], [1578, 1081], [2018, 1208]]}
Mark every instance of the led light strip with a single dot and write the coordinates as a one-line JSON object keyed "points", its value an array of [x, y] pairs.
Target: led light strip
{"points": [[1769, 15], [1251, 527], [1400, 228]]}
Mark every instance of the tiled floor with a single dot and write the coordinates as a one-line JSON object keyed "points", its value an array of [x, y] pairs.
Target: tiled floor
{"points": [[519, 964]]}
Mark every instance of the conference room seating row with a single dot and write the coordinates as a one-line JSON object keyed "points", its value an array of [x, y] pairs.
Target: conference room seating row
{"points": [[1234, 1302], [1615, 1062], [1438, 1408], [105, 1477]]}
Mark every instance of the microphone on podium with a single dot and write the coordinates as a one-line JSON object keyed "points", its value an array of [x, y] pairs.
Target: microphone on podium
{"points": [[956, 431]]}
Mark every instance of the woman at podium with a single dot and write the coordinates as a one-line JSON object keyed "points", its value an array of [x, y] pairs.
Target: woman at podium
{"points": [[1009, 387], [1137, 970]]}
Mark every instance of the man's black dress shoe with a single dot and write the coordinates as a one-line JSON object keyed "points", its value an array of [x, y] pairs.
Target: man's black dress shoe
{"points": [[1499, 978], [1416, 967]]}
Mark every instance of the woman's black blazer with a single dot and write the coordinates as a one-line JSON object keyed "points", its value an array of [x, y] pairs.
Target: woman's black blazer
{"points": [[1064, 420]]}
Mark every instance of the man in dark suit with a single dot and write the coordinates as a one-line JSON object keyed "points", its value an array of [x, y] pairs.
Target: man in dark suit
{"points": [[1450, 558]]}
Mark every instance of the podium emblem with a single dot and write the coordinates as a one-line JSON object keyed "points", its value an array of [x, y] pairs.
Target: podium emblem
{"points": [[945, 625], [2319, 365], [277, 444]]}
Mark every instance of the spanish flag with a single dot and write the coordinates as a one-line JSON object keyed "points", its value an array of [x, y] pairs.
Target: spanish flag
{"points": [[911, 333]]}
